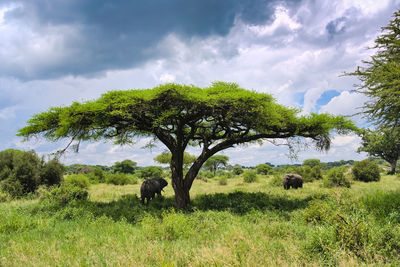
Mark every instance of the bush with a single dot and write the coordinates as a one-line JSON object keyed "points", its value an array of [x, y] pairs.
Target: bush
{"points": [[4, 197], [237, 170], [276, 180], [264, 169], [64, 194], [335, 178], [319, 211], [78, 180], [121, 179], [151, 172], [52, 173], [22, 172], [223, 180], [366, 171], [250, 176], [96, 176]]}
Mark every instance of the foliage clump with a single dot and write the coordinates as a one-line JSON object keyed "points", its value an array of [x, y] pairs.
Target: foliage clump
{"points": [[366, 171], [276, 179], [78, 180], [237, 169], [64, 194], [264, 169], [151, 172], [125, 166], [223, 180], [336, 177], [22, 172], [250, 176]]}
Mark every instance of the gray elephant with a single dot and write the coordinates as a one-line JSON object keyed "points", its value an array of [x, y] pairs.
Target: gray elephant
{"points": [[151, 187], [292, 180]]}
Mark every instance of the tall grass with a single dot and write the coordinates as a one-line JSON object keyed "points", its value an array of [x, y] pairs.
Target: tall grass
{"points": [[239, 224]]}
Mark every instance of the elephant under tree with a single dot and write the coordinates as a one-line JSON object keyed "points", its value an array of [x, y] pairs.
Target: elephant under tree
{"points": [[215, 118]]}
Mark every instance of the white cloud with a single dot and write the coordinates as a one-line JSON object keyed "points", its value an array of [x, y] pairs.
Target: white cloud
{"points": [[282, 20], [346, 103], [167, 78], [367, 7]]}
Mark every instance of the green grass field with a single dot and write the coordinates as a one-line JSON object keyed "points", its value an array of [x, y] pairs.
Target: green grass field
{"points": [[237, 224]]}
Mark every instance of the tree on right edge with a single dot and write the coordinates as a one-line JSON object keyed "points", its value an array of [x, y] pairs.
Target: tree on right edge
{"points": [[383, 143]]}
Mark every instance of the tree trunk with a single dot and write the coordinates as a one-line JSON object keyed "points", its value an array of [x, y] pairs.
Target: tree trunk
{"points": [[182, 197], [393, 165]]}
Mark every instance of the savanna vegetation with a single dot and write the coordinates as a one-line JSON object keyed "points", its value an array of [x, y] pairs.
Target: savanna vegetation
{"points": [[346, 214], [240, 221]]}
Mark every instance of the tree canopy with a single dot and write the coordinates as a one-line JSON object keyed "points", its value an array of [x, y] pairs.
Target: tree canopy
{"points": [[312, 162], [215, 118], [125, 166], [383, 143], [213, 162], [380, 77]]}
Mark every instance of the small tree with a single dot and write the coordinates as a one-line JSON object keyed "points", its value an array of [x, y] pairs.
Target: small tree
{"points": [[263, 169], [22, 172], [151, 172], [237, 169], [336, 178], [312, 162], [214, 162], [366, 171], [383, 143], [215, 118], [125, 166]]}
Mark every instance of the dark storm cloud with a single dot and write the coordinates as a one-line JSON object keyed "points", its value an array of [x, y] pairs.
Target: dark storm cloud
{"points": [[336, 26], [98, 35]]}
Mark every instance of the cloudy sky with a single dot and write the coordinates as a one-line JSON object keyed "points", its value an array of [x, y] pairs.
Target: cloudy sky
{"points": [[56, 52]]}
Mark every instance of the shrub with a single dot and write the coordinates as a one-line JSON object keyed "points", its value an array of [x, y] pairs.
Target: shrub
{"points": [[126, 166], [335, 178], [312, 162], [318, 211], [366, 171], [276, 180], [237, 170], [64, 194], [250, 176], [263, 169], [208, 174], [78, 180], [223, 180], [151, 172], [22, 172], [96, 176], [121, 179], [4, 197], [52, 173], [316, 173], [306, 174]]}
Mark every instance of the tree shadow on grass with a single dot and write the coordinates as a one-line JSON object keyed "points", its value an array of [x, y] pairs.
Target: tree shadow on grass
{"points": [[243, 202], [130, 208]]}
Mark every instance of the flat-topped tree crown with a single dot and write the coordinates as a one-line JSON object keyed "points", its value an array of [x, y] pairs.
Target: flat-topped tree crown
{"points": [[215, 118]]}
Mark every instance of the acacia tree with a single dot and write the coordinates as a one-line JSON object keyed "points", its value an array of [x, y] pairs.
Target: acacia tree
{"points": [[383, 143], [213, 162], [215, 118], [125, 166], [380, 77]]}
